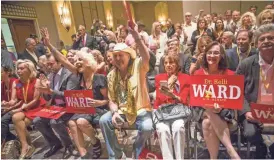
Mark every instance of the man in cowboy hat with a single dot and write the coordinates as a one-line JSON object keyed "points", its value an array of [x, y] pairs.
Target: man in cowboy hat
{"points": [[128, 95]]}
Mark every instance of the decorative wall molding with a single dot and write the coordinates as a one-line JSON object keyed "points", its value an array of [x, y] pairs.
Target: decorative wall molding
{"points": [[18, 11]]}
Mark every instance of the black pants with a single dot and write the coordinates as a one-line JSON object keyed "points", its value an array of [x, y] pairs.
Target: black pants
{"points": [[6, 119], [45, 125], [253, 134]]}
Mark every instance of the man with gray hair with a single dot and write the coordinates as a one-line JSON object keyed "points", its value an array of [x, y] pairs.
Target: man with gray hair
{"points": [[259, 86], [30, 53], [234, 25], [189, 28], [227, 40], [83, 39]]}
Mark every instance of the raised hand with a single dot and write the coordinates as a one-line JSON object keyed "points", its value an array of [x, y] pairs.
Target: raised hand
{"points": [[44, 82], [45, 35]]}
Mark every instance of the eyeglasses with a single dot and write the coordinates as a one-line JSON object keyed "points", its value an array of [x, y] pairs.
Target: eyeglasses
{"points": [[187, 15], [214, 53], [270, 38]]}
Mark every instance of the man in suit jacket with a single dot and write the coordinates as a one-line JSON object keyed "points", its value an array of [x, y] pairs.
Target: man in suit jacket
{"points": [[173, 46], [255, 90], [40, 48], [84, 40], [30, 53], [60, 80], [242, 51]]}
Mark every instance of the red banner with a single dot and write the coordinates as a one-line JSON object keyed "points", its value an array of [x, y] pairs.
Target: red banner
{"points": [[128, 14], [51, 112], [263, 112], [147, 154], [78, 101], [225, 90]]}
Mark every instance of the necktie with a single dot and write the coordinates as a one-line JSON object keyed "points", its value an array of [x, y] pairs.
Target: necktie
{"points": [[84, 43]]}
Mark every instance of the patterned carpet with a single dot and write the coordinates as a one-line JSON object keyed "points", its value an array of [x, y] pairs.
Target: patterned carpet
{"points": [[126, 143]]}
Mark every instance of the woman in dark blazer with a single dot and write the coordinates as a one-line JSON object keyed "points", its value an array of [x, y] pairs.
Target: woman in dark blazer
{"points": [[202, 30]]}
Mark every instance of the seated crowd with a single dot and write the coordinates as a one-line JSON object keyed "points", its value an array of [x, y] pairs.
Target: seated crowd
{"points": [[125, 70]]}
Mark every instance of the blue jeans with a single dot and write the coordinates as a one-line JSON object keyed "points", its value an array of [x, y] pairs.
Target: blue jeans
{"points": [[143, 124]]}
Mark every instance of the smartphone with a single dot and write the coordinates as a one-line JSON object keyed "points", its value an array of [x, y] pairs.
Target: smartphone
{"points": [[120, 121], [163, 84]]}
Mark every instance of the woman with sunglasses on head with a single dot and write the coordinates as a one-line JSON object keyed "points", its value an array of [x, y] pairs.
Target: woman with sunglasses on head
{"points": [[85, 67], [215, 122]]}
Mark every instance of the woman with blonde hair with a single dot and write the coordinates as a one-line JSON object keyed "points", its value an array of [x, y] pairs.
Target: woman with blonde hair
{"points": [[247, 22], [265, 17], [196, 60], [111, 37], [100, 62], [157, 43], [80, 124], [26, 95]]}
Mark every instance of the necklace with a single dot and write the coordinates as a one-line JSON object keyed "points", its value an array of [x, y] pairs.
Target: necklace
{"points": [[85, 84], [263, 77], [25, 92], [247, 52]]}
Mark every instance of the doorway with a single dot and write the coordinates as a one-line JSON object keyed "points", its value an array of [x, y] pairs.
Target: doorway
{"points": [[16, 32]]}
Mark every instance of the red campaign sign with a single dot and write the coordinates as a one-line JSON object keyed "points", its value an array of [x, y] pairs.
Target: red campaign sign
{"points": [[51, 112], [147, 154], [128, 14], [78, 101], [225, 90], [263, 112]]}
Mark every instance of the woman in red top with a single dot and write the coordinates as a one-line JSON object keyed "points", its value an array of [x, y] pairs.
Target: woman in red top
{"points": [[6, 85], [25, 93], [172, 87], [215, 121]]}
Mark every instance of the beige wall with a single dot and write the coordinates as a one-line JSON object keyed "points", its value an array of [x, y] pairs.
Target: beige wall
{"points": [[118, 13], [45, 17], [84, 12], [175, 11], [221, 6], [63, 34]]}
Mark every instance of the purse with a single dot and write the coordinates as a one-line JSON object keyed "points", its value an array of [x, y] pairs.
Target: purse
{"points": [[11, 150], [168, 112]]}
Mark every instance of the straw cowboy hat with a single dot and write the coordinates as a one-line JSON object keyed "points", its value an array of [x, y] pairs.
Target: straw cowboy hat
{"points": [[122, 47]]}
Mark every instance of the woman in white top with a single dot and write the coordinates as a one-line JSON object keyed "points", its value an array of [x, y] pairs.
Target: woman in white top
{"points": [[157, 43]]}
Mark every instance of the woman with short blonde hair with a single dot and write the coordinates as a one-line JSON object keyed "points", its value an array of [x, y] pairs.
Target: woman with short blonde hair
{"points": [[29, 65], [26, 99], [265, 17]]}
